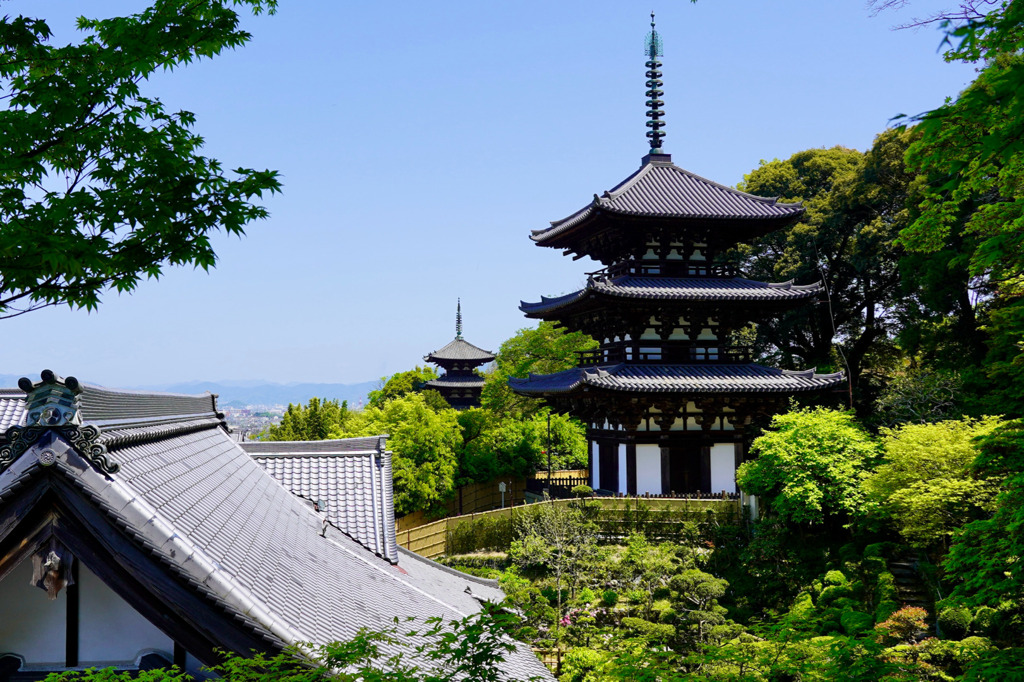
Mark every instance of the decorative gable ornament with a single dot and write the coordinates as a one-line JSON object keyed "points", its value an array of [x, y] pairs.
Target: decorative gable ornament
{"points": [[52, 404]]}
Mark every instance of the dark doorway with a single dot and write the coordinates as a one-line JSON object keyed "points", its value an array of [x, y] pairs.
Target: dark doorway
{"points": [[685, 473], [608, 457]]}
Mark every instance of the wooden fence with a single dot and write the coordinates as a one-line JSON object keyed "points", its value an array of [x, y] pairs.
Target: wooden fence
{"points": [[616, 517]]}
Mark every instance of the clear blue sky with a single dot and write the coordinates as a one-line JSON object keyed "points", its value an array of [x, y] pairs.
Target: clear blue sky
{"points": [[420, 142]]}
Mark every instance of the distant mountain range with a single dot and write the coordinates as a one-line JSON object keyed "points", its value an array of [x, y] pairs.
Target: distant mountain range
{"points": [[253, 392]]}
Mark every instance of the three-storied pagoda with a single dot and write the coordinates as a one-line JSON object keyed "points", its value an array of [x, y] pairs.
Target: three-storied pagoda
{"points": [[460, 385], [667, 396]]}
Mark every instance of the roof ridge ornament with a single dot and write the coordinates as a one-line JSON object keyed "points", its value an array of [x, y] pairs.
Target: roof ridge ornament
{"points": [[52, 404], [653, 49]]}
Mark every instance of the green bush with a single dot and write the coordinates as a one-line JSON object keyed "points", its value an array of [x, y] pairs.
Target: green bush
{"points": [[874, 566], [848, 553], [885, 609], [582, 491], [609, 598], [985, 620], [833, 578], [832, 593], [668, 616], [487, 532], [971, 649], [879, 550], [954, 622], [856, 622], [885, 588], [579, 663], [653, 631], [586, 596]]}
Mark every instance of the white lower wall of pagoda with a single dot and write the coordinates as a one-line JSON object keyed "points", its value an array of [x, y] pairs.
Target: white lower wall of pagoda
{"points": [[648, 469], [723, 467], [622, 468]]}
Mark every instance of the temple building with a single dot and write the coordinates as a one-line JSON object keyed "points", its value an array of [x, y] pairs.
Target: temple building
{"points": [[136, 533], [668, 395], [460, 385]]}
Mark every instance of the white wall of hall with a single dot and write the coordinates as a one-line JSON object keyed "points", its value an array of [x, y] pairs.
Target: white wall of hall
{"points": [[31, 625], [111, 632], [723, 467], [648, 469]]}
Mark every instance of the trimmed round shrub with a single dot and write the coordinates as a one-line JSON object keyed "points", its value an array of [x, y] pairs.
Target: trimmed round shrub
{"points": [[835, 578], [886, 609], [609, 598], [984, 622], [655, 631], [954, 622], [855, 622], [970, 649], [668, 616], [832, 593], [582, 491]]}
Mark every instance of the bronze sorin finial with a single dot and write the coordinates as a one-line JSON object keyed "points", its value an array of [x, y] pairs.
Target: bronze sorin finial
{"points": [[653, 50], [458, 319]]}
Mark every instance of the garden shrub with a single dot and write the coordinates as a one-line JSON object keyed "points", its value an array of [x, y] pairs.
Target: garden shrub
{"points": [[885, 609], [885, 588], [579, 663], [833, 578], [856, 622], [486, 532], [874, 566], [902, 625], [586, 596], [954, 622], [971, 649], [652, 631], [609, 598], [984, 621], [832, 593], [582, 491], [668, 615]]}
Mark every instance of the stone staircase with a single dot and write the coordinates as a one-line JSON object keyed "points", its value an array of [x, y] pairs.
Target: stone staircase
{"points": [[913, 590]]}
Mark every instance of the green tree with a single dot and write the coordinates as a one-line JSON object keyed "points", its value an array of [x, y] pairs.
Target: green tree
{"points": [[855, 208], [543, 350], [984, 557], [314, 421], [402, 384], [971, 151], [424, 444], [811, 465], [925, 483], [100, 185], [558, 538]]}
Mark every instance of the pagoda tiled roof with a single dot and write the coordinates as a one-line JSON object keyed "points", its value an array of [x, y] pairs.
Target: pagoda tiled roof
{"points": [[697, 289], [457, 381], [459, 349], [693, 378], [661, 189]]}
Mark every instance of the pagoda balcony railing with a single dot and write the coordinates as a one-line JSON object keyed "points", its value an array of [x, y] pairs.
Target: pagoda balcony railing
{"points": [[666, 356], [666, 268]]}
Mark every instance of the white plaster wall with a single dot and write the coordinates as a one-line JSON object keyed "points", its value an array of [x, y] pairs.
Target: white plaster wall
{"points": [[31, 625], [622, 468], [723, 467], [109, 629], [648, 469], [595, 464]]}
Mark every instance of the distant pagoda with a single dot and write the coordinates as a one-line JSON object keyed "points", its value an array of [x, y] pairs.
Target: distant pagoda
{"points": [[460, 385], [668, 396]]}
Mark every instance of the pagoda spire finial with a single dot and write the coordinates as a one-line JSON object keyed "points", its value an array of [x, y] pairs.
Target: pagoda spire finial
{"points": [[653, 50], [458, 319]]}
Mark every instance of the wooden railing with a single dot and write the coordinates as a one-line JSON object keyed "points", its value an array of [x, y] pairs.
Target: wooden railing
{"points": [[666, 268]]}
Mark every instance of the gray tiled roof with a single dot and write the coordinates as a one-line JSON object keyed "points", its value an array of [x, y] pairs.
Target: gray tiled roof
{"points": [[695, 378], [348, 477], [460, 350], [193, 498], [661, 189], [457, 381], [12, 408], [678, 289]]}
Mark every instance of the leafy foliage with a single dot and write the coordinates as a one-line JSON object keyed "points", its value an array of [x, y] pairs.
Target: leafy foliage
{"points": [[810, 466], [101, 186]]}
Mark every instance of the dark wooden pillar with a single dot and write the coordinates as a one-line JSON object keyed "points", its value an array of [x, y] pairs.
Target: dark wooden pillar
{"points": [[705, 468], [666, 471]]}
